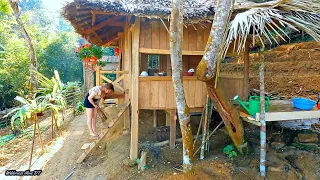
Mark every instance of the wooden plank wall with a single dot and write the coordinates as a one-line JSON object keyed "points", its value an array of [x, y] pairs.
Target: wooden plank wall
{"points": [[159, 94], [155, 36], [232, 86]]}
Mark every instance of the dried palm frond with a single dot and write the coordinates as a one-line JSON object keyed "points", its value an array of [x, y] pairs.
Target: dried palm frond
{"points": [[269, 22]]}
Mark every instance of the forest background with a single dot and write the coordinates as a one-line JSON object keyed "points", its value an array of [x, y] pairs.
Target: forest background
{"points": [[55, 42]]}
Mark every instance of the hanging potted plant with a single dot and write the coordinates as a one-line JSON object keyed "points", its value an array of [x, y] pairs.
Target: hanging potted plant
{"points": [[89, 54]]}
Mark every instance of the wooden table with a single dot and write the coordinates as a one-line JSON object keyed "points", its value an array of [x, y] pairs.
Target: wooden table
{"points": [[282, 111]]}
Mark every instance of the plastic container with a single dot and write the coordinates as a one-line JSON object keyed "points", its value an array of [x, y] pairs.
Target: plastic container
{"points": [[303, 103]]}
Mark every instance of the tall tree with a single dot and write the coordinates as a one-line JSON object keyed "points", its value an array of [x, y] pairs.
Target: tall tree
{"points": [[207, 68], [176, 34], [33, 58]]}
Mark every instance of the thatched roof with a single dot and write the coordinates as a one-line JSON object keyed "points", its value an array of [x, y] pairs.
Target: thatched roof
{"points": [[102, 21]]}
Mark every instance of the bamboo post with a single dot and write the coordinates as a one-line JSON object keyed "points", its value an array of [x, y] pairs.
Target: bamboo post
{"points": [[173, 127], [34, 135], [198, 132], [263, 148], [204, 129], [52, 123], [212, 133], [39, 134], [246, 72]]}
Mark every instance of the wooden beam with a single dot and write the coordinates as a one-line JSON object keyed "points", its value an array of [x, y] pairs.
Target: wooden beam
{"points": [[173, 120], [165, 51], [168, 118], [155, 118], [246, 71], [114, 72], [135, 91], [101, 12], [107, 22], [286, 116], [93, 19], [98, 80]]}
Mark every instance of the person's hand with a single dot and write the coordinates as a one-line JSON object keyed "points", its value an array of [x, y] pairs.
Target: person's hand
{"points": [[95, 106]]}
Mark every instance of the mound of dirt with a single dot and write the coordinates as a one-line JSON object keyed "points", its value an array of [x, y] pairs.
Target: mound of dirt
{"points": [[290, 70]]}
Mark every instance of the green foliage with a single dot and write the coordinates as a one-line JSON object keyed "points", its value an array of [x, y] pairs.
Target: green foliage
{"points": [[230, 151], [4, 7], [79, 107], [102, 63], [30, 108], [54, 49], [89, 50]]}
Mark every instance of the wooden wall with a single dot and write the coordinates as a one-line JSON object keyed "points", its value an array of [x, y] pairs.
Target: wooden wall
{"points": [[158, 93], [232, 86], [155, 36]]}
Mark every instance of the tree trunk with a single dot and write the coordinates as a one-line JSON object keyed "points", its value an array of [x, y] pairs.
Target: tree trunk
{"points": [[207, 69], [88, 79], [176, 34], [33, 58]]}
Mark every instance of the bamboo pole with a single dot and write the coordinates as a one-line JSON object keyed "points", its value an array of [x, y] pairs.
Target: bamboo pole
{"points": [[212, 133], [39, 134], [34, 134], [263, 147], [205, 128], [198, 132], [52, 124]]}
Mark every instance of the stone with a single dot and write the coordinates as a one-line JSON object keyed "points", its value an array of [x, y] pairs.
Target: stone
{"points": [[308, 138], [277, 145], [130, 163]]}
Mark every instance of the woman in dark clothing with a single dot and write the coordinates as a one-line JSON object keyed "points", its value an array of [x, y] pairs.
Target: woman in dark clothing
{"points": [[95, 94]]}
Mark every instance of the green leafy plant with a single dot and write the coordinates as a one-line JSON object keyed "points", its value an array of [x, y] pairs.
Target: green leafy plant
{"points": [[79, 107], [102, 63], [230, 151], [89, 50], [37, 105]]}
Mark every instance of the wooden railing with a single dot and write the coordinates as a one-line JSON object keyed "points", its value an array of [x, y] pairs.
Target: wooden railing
{"points": [[100, 78]]}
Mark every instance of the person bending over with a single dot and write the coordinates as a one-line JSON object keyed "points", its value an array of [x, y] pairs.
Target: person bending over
{"points": [[95, 94]]}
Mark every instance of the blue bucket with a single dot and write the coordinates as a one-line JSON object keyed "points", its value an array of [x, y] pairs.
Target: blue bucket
{"points": [[303, 103]]}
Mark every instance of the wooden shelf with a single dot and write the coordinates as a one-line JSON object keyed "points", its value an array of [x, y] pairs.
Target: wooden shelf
{"points": [[165, 78]]}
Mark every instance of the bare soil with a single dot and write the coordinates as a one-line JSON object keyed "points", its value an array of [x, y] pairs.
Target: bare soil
{"points": [[107, 160], [291, 70]]}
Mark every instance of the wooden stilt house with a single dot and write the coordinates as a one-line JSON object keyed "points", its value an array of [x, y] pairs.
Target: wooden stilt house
{"points": [[139, 28]]}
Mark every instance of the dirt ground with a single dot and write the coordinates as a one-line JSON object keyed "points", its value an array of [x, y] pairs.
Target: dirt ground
{"points": [[107, 159], [291, 70]]}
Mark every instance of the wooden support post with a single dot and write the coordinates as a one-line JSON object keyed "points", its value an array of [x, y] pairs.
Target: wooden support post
{"points": [[155, 118], [98, 83], [168, 118], [135, 90], [126, 66], [246, 72], [173, 120]]}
